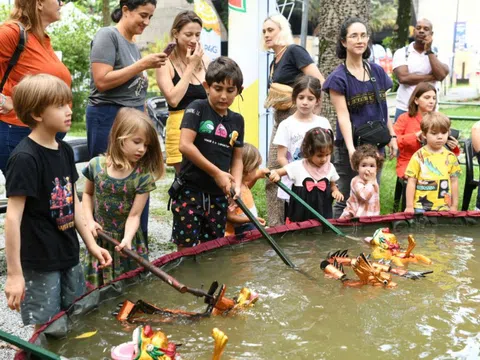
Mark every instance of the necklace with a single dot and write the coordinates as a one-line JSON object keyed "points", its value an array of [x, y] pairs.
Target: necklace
{"points": [[276, 56], [194, 70]]}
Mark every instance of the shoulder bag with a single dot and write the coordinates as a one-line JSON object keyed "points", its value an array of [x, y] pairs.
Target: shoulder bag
{"points": [[16, 55], [374, 132]]}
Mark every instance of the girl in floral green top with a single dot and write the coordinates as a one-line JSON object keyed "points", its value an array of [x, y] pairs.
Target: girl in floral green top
{"points": [[117, 188]]}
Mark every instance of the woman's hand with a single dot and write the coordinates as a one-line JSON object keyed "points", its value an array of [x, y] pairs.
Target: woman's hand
{"points": [[350, 154], [393, 147], [420, 137], [409, 210], [452, 143], [7, 105], [194, 57], [153, 61]]}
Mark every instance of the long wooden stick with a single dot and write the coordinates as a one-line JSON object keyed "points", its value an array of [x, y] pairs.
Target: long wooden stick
{"points": [[170, 280]]}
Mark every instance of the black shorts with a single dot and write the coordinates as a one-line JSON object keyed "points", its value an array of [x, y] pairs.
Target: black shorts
{"points": [[198, 217]]}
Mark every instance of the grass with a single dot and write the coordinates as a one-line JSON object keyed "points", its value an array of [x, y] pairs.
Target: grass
{"points": [[389, 176], [78, 129], [387, 188], [462, 125]]}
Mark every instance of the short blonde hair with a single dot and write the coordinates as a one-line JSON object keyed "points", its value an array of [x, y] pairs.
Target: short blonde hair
{"points": [[284, 37], [435, 121], [34, 93], [251, 158], [127, 122]]}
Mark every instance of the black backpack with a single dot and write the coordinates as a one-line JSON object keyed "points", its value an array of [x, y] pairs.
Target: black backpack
{"points": [[22, 41]]}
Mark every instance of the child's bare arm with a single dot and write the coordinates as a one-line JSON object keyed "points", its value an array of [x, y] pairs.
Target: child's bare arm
{"points": [[237, 219], [190, 151], [87, 205], [282, 155], [336, 194], [260, 174], [15, 285], [100, 253], [133, 221], [454, 182], [410, 194]]}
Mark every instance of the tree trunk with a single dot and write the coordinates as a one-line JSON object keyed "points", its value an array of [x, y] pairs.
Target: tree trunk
{"points": [[332, 14], [106, 13], [401, 32]]}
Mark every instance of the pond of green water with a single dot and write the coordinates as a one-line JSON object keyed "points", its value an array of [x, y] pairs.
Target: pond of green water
{"points": [[298, 317]]}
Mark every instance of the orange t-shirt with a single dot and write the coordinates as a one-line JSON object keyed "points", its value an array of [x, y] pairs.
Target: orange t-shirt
{"points": [[35, 59]]}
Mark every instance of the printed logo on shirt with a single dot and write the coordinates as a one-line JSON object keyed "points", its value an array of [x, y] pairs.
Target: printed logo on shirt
{"points": [[206, 127], [221, 131], [140, 83], [192, 111], [61, 203], [233, 137], [424, 185]]}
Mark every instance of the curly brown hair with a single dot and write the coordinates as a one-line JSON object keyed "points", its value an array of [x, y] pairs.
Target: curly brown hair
{"points": [[316, 139], [365, 151]]}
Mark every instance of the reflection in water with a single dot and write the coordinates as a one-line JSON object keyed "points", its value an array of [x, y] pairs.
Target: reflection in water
{"points": [[297, 317]]}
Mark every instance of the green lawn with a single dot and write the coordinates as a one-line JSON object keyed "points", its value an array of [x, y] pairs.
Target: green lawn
{"points": [[463, 126], [388, 176], [387, 188], [78, 128]]}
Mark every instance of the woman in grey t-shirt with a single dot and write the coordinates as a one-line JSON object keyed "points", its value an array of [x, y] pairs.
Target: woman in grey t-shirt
{"points": [[118, 74]]}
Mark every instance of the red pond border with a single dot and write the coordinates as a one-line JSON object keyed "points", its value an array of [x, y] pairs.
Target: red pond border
{"points": [[397, 219]]}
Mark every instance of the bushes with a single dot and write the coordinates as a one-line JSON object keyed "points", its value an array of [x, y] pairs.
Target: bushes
{"points": [[72, 36]]}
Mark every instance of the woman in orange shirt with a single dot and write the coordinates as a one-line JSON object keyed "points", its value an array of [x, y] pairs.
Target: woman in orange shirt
{"points": [[407, 128], [37, 57]]}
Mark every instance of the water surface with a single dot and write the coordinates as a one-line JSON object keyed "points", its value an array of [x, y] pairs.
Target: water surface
{"points": [[299, 317]]}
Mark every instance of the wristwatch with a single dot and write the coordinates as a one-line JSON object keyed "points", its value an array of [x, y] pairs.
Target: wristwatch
{"points": [[429, 52], [3, 99]]}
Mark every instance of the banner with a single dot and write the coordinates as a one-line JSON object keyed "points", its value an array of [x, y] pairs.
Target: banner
{"points": [[460, 36], [211, 33]]}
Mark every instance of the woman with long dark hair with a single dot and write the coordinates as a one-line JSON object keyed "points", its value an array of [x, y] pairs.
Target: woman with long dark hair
{"points": [[180, 80], [352, 93]]}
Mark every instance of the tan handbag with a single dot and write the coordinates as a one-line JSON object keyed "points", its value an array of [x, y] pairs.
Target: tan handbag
{"points": [[279, 97]]}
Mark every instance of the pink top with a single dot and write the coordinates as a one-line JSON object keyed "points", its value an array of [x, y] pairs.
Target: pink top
{"points": [[364, 199]]}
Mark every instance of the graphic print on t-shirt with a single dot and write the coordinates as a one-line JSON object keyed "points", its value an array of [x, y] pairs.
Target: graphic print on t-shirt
{"points": [[206, 127], [221, 131], [61, 203]]}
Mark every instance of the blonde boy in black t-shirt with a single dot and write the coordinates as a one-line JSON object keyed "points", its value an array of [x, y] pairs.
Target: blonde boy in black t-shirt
{"points": [[43, 271], [211, 141]]}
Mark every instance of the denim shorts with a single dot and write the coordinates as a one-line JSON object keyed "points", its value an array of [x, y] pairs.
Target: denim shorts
{"points": [[47, 293], [10, 136]]}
